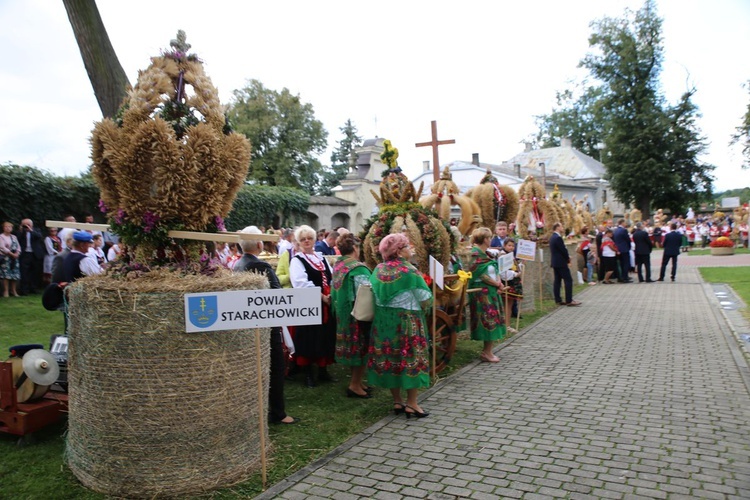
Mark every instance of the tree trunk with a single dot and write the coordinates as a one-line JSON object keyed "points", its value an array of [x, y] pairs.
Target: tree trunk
{"points": [[107, 77], [644, 205]]}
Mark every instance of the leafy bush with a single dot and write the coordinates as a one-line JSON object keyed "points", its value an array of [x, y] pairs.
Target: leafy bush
{"points": [[263, 205], [38, 195]]}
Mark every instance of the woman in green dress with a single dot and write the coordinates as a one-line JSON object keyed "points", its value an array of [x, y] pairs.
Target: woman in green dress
{"points": [[487, 322], [398, 353], [352, 336]]}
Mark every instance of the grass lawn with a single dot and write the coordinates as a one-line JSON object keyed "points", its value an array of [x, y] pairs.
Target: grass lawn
{"points": [[736, 277], [707, 251], [38, 469]]}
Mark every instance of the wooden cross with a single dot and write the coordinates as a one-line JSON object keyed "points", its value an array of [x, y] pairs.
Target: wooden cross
{"points": [[435, 143]]}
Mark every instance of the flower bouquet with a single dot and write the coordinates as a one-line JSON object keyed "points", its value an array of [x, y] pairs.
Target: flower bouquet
{"points": [[722, 246]]}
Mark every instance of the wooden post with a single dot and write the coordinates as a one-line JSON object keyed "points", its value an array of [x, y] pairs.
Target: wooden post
{"points": [[505, 309], [434, 332], [541, 293], [435, 143], [261, 411], [522, 270]]}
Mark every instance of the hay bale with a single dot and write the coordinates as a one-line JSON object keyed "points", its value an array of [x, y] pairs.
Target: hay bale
{"points": [[155, 411]]}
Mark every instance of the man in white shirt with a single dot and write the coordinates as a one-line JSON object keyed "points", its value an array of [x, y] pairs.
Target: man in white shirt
{"points": [[79, 263], [66, 232], [285, 243]]}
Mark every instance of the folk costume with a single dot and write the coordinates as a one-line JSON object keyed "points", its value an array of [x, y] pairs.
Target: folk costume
{"points": [[513, 285], [399, 352], [314, 343], [487, 321], [352, 336]]}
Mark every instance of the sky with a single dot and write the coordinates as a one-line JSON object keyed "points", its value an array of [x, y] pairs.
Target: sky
{"points": [[482, 69]]}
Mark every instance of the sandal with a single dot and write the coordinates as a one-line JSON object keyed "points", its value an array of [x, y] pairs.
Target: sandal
{"points": [[486, 359]]}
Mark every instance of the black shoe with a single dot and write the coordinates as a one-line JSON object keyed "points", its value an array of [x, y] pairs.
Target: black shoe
{"points": [[673, 279], [398, 408], [309, 381], [324, 376], [414, 413], [650, 281], [351, 394], [368, 390], [660, 279]]}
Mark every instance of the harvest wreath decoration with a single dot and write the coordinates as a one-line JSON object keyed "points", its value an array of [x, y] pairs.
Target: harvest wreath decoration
{"points": [[169, 160]]}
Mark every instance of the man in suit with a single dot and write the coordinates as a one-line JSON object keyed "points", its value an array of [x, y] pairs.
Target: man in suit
{"points": [[325, 246], [672, 244], [560, 265], [621, 239], [250, 262], [32, 256], [642, 252]]}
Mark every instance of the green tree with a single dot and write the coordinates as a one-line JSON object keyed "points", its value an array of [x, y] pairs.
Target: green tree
{"points": [[692, 179], [284, 134], [580, 119], [628, 62], [342, 158], [652, 149], [742, 135]]}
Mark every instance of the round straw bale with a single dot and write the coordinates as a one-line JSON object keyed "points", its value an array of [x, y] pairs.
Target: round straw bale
{"points": [[155, 411]]}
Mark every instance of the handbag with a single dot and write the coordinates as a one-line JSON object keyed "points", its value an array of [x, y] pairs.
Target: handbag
{"points": [[364, 303]]}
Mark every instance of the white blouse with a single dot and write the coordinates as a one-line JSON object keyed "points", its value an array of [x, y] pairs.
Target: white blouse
{"points": [[298, 273]]}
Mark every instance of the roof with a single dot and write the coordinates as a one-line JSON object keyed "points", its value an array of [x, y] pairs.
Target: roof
{"points": [[467, 175], [329, 200], [563, 160]]}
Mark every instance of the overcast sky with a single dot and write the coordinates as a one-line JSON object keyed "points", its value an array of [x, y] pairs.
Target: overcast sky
{"points": [[482, 69]]}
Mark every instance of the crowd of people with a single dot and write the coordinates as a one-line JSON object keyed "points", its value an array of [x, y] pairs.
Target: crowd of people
{"points": [[30, 257], [392, 351]]}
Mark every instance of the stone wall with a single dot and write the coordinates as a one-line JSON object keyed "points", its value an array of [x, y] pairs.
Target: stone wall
{"points": [[532, 278]]}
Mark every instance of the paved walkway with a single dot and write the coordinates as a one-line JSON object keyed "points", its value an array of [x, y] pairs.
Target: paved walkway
{"points": [[641, 392]]}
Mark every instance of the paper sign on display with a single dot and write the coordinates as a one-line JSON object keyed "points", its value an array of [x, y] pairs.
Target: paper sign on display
{"points": [[505, 262], [241, 309], [436, 272], [526, 250]]}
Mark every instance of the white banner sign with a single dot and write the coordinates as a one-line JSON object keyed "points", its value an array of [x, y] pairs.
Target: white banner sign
{"points": [[526, 250], [436, 272], [240, 309]]}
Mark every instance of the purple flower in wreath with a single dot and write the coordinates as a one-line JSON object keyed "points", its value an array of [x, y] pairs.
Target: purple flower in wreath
{"points": [[150, 220], [120, 217], [220, 224], [102, 207]]}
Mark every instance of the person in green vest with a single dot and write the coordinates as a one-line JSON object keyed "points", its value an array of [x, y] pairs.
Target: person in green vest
{"points": [[399, 350], [352, 336], [487, 322]]}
